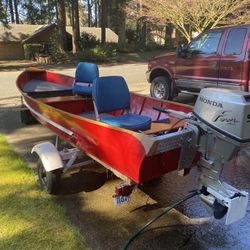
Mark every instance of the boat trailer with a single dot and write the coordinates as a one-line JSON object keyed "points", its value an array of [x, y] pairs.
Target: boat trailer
{"points": [[216, 130]]}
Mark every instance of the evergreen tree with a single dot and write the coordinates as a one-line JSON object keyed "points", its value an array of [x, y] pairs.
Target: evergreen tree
{"points": [[61, 22], [76, 29]]}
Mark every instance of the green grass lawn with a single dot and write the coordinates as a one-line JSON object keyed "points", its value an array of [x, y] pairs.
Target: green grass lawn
{"points": [[29, 218]]}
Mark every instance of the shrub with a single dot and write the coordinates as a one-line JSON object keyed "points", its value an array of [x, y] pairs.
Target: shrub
{"points": [[101, 53], [151, 46], [31, 50], [127, 47], [54, 53], [87, 41]]}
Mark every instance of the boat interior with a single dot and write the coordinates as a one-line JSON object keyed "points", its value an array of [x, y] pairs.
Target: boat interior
{"points": [[105, 99]]}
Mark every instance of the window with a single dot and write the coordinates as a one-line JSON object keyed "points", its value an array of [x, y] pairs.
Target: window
{"points": [[206, 44], [235, 41]]}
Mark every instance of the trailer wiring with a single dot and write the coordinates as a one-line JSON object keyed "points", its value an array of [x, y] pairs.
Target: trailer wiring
{"points": [[165, 211]]}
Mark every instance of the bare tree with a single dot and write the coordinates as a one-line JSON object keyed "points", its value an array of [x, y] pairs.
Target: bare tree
{"points": [[191, 15], [61, 21], [76, 28]]}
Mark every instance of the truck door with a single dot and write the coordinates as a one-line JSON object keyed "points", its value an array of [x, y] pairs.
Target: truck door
{"points": [[199, 65], [232, 62]]}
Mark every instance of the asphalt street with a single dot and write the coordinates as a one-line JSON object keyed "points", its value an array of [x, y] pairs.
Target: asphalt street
{"points": [[134, 74]]}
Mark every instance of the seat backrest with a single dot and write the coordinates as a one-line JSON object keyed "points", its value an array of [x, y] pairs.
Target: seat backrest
{"points": [[85, 75], [110, 93]]}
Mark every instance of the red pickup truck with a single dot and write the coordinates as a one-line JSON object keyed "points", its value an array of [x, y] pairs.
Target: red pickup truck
{"points": [[216, 58]]}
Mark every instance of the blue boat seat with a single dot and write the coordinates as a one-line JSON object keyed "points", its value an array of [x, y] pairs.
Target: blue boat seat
{"points": [[85, 75], [111, 93]]}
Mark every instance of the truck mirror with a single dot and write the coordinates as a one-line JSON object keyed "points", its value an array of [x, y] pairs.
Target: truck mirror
{"points": [[179, 51]]}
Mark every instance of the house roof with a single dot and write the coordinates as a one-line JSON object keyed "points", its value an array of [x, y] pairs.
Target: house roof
{"points": [[111, 36], [17, 32], [26, 32]]}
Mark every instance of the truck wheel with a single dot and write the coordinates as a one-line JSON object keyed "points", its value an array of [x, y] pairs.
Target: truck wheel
{"points": [[161, 88], [49, 181]]}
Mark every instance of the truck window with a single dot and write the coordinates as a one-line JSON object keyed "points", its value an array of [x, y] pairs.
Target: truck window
{"points": [[206, 44], [235, 41]]}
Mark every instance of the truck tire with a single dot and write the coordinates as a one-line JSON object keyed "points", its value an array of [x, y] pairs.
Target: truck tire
{"points": [[161, 88], [49, 181]]}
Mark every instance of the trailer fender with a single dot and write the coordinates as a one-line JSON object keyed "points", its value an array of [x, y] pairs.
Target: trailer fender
{"points": [[49, 156]]}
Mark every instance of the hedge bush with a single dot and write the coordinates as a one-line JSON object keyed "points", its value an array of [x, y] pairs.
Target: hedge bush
{"points": [[100, 53], [31, 50], [88, 41]]}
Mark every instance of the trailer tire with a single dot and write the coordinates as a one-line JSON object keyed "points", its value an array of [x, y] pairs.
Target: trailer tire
{"points": [[49, 181], [27, 118], [161, 88]]}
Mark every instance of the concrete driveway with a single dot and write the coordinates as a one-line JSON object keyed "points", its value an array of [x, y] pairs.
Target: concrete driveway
{"points": [[87, 196]]}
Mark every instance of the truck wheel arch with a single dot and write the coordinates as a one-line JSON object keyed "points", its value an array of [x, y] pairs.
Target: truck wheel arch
{"points": [[163, 72], [158, 72]]}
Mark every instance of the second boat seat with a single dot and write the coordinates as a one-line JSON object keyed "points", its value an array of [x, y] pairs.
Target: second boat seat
{"points": [[85, 75], [111, 93]]}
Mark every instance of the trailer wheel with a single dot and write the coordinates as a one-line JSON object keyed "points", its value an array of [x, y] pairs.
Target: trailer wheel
{"points": [[161, 88], [49, 181], [27, 118]]}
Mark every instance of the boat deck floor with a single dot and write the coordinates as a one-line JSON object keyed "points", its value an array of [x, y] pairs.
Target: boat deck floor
{"points": [[41, 86], [156, 127]]}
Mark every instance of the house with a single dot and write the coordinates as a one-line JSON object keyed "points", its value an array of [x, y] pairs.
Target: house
{"points": [[13, 37]]}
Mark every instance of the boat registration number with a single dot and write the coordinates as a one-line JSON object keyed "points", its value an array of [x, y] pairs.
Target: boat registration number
{"points": [[119, 200]]}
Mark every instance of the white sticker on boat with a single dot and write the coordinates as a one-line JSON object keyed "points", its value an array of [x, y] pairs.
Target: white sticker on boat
{"points": [[119, 200]]}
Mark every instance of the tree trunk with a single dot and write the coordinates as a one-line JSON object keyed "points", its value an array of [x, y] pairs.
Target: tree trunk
{"points": [[96, 12], [138, 20], [104, 14], [89, 13], [11, 11], [50, 10], [168, 36], [144, 32], [76, 28], [16, 11], [61, 21], [121, 25]]}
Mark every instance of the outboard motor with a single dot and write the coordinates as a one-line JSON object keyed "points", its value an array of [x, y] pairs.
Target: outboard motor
{"points": [[218, 128], [224, 117]]}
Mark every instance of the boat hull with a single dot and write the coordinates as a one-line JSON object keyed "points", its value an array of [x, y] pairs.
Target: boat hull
{"points": [[128, 154]]}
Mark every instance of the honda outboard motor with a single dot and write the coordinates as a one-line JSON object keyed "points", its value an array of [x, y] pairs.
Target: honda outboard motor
{"points": [[224, 119], [217, 129]]}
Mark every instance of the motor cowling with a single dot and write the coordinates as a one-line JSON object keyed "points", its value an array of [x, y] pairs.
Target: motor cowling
{"points": [[226, 111]]}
